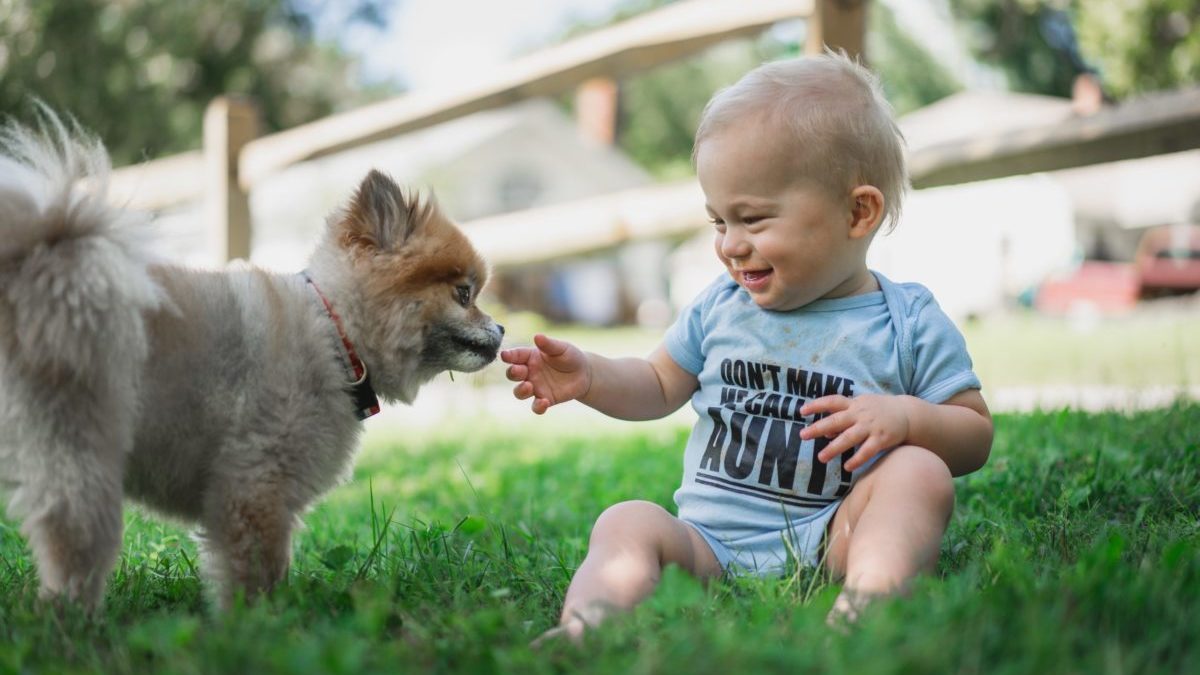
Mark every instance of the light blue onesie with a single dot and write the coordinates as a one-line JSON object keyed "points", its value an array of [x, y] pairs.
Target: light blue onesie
{"points": [[751, 487]]}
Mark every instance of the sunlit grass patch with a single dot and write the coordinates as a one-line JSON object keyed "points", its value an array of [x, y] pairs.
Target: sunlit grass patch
{"points": [[1077, 549]]}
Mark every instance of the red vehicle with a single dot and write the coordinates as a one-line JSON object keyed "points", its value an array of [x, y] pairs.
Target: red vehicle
{"points": [[1106, 287], [1168, 260]]}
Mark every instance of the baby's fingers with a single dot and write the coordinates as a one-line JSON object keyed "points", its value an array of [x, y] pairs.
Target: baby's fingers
{"points": [[845, 440], [549, 346], [865, 452], [825, 404], [517, 373], [540, 406], [523, 390], [516, 355], [827, 426]]}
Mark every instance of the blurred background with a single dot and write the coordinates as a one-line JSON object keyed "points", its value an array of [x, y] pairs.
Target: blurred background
{"points": [[1054, 146]]}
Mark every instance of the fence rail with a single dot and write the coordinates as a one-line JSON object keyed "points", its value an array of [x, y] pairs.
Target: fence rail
{"points": [[1154, 124], [589, 225], [234, 160], [159, 183], [642, 42]]}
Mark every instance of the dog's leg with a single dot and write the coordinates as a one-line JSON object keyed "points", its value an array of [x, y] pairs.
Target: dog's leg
{"points": [[247, 540], [70, 505]]}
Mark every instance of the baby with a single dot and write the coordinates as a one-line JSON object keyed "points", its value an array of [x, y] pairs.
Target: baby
{"points": [[834, 405]]}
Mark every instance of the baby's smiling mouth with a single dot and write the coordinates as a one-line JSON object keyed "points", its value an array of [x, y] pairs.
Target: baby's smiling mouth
{"points": [[755, 280]]}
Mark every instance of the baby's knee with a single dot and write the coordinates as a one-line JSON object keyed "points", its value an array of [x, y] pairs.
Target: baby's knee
{"points": [[923, 468], [631, 518], [624, 514]]}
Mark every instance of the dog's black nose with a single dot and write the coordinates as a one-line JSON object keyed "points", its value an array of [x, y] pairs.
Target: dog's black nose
{"points": [[501, 328]]}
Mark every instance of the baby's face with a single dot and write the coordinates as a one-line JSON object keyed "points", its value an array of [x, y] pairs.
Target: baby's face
{"points": [[784, 240]]}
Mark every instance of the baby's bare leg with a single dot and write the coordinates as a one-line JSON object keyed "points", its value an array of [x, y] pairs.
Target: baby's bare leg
{"points": [[630, 545], [889, 529]]}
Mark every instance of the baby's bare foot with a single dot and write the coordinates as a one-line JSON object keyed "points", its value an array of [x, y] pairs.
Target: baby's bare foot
{"points": [[848, 608], [574, 626], [572, 630]]}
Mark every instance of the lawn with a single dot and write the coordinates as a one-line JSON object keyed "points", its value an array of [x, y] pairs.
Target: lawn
{"points": [[1076, 550]]}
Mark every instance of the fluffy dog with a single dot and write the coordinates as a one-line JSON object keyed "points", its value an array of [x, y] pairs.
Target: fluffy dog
{"points": [[229, 399]]}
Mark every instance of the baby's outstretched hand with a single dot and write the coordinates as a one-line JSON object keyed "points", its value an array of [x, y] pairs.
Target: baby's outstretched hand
{"points": [[873, 422], [550, 372]]}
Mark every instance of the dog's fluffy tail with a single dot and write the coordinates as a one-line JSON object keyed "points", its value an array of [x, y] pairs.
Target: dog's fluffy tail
{"points": [[74, 278], [74, 291]]}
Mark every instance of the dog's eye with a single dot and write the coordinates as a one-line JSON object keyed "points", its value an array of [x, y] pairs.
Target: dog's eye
{"points": [[464, 295]]}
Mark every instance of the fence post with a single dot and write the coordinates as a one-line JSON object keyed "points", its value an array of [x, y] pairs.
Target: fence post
{"points": [[229, 124], [840, 24]]}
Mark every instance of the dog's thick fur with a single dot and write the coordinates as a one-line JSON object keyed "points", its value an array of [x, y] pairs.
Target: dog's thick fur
{"points": [[216, 397]]}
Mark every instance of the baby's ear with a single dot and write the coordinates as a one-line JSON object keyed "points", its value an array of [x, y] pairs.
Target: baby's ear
{"points": [[866, 211], [380, 216]]}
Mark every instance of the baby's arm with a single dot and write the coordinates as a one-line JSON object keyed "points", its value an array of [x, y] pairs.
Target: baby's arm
{"points": [[554, 371], [959, 430]]}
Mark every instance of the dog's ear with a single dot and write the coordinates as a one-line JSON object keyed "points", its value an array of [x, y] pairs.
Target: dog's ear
{"points": [[380, 216]]}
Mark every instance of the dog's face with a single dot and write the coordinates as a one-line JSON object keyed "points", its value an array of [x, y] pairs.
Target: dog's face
{"points": [[416, 280]]}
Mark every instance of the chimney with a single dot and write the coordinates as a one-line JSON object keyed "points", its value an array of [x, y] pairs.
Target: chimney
{"points": [[596, 110]]}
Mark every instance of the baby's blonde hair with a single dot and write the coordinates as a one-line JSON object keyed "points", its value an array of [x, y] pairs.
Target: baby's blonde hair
{"points": [[842, 133]]}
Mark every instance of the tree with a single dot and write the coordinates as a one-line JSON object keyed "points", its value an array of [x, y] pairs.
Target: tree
{"points": [[1142, 45], [1133, 45], [139, 73]]}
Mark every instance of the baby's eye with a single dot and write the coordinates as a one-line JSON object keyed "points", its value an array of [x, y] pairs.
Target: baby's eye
{"points": [[750, 220], [464, 295], [718, 224]]}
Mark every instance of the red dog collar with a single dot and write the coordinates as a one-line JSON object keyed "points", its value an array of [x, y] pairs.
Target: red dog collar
{"points": [[366, 403]]}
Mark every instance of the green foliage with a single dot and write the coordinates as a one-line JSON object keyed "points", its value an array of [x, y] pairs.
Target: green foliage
{"points": [[1143, 45], [1077, 549], [1007, 33], [910, 76], [1136, 45], [140, 73]]}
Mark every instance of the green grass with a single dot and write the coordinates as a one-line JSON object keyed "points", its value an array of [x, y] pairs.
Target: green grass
{"points": [[1076, 550], [1144, 349]]}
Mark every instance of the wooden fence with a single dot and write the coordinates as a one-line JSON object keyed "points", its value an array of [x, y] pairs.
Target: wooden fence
{"points": [[235, 158]]}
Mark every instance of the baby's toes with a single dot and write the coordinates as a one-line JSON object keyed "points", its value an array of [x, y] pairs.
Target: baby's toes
{"points": [[571, 631]]}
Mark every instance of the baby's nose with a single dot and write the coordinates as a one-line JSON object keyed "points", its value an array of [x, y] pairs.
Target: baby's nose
{"points": [[734, 245]]}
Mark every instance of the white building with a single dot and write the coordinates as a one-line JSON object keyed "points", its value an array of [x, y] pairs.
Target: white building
{"points": [[508, 159], [496, 161]]}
